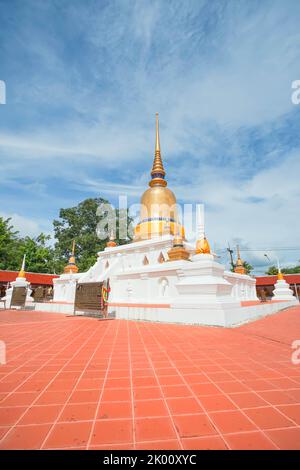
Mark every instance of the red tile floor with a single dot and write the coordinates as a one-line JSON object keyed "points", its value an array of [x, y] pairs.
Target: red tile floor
{"points": [[83, 383]]}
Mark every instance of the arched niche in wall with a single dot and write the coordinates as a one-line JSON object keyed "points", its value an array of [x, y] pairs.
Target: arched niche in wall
{"points": [[163, 284]]}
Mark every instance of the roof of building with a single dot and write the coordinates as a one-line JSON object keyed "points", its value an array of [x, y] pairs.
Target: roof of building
{"points": [[33, 278], [271, 280]]}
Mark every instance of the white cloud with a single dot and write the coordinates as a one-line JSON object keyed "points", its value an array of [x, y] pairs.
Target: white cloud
{"points": [[27, 226]]}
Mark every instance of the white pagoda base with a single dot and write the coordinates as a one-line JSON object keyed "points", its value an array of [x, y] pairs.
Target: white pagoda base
{"points": [[146, 286], [64, 287], [282, 291], [19, 282]]}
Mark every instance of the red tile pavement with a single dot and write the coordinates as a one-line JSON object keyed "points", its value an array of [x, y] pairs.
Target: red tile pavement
{"points": [[82, 383]]}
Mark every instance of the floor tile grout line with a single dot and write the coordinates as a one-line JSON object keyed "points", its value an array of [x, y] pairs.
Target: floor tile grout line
{"points": [[32, 404], [199, 402], [165, 401], [78, 380], [230, 433], [238, 408], [37, 355], [33, 373], [268, 402], [131, 387], [103, 386]]}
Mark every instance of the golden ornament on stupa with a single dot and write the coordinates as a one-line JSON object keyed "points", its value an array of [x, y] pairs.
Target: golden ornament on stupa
{"points": [[178, 251], [239, 267], [158, 214], [71, 267], [202, 246], [111, 243], [280, 275], [22, 270]]}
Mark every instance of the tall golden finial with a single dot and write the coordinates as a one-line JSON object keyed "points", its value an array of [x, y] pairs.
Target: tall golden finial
{"points": [[239, 267], [178, 251], [71, 266], [22, 270], [158, 172], [202, 246]]}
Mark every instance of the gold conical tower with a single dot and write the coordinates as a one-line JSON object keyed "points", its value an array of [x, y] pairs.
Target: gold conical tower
{"points": [[158, 172], [158, 214], [22, 270], [178, 251], [239, 267], [280, 275], [71, 266], [202, 246]]}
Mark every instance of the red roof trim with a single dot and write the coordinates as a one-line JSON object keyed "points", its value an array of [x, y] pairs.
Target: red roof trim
{"points": [[271, 280], [33, 278]]}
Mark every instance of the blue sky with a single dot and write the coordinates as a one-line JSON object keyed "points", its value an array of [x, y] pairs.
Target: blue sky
{"points": [[85, 78]]}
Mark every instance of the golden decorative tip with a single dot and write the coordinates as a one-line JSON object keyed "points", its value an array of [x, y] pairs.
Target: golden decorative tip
{"points": [[71, 266], [202, 246], [239, 267], [280, 276], [22, 270], [158, 172], [177, 240]]}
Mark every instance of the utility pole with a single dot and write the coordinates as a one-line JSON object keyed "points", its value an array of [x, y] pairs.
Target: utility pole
{"points": [[230, 251]]}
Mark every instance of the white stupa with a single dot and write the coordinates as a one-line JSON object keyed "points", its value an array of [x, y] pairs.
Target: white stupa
{"points": [[282, 289], [160, 276], [19, 282]]}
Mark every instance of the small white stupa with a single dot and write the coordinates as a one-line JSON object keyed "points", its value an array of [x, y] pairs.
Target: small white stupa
{"points": [[19, 282], [65, 284], [282, 289]]}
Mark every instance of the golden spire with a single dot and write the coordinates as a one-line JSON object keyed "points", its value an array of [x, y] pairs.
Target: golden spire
{"points": [[202, 246], [22, 270], [158, 172], [239, 261], [71, 266], [239, 267], [178, 251]]}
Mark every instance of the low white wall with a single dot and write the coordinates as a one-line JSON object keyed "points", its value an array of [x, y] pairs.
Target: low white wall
{"points": [[54, 307], [210, 315]]}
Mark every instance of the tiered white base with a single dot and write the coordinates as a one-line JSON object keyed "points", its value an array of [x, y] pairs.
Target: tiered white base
{"points": [[19, 282], [146, 286], [282, 291]]}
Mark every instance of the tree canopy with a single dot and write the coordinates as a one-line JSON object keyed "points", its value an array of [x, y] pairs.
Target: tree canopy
{"points": [[80, 223], [39, 256], [77, 223], [273, 270]]}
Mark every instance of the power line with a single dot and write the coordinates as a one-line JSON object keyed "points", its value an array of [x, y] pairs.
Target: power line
{"points": [[223, 250]]}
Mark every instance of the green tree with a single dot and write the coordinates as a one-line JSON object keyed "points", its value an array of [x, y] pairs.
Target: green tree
{"points": [[10, 246], [273, 270], [80, 223], [39, 256]]}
